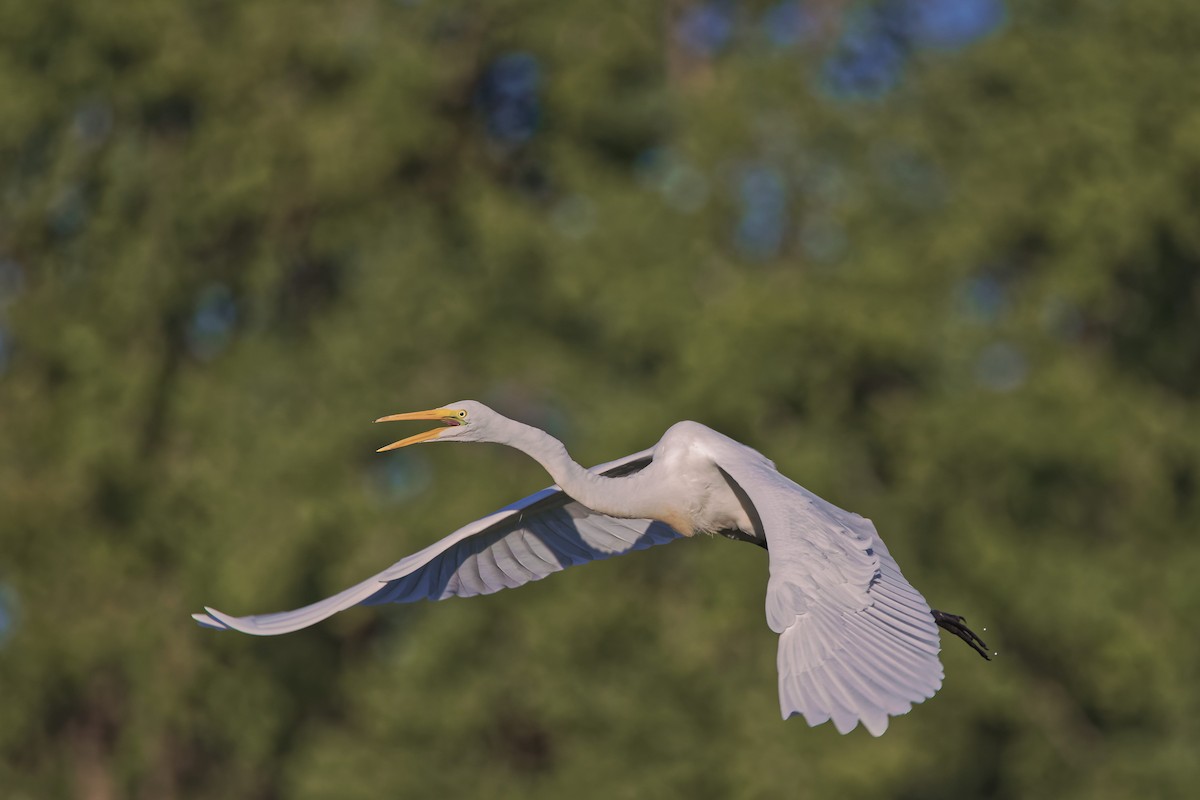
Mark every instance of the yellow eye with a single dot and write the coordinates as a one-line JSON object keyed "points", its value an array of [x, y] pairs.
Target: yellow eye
{"points": [[462, 415]]}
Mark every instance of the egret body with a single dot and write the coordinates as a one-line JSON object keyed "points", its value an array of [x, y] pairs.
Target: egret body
{"points": [[857, 642]]}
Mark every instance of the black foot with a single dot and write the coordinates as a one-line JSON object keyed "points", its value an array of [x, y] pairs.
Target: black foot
{"points": [[957, 625]]}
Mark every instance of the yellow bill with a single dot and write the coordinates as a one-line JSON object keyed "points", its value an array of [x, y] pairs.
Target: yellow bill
{"points": [[449, 417]]}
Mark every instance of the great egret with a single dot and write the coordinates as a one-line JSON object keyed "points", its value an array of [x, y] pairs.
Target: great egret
{"points": [[857, 643]]}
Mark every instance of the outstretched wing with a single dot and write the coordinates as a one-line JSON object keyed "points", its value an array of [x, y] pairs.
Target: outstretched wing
{"points": [[522, 542], [856, 641]]}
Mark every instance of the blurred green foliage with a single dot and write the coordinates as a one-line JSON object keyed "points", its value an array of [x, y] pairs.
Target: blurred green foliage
{"points": [[953, 287]]}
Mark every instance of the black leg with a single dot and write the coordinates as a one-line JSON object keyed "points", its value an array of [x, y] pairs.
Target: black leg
{"points": [[958, 626]]}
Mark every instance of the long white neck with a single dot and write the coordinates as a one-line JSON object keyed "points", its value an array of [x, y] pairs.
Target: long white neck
{"points": [[617, 497]]}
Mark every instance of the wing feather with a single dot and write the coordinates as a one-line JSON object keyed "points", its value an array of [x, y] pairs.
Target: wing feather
{"points": [[506, 560], [523, 542], [857, 643], [538, 549]]}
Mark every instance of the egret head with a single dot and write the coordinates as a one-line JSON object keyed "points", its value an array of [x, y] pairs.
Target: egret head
{"points": [[464, 421]]}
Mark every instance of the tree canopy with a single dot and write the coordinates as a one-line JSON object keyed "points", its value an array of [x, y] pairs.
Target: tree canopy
{"points": [[937, 258]]}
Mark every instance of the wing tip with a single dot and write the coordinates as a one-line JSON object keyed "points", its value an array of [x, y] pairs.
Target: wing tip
{"points": [[209, 621], [228, 622]]}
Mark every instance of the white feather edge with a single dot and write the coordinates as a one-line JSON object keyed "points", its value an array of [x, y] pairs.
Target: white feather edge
{"points": [[288, 621]]}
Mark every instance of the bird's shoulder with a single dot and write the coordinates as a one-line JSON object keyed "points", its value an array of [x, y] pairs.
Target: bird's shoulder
{"points": [[691, 439], [686, 431]]}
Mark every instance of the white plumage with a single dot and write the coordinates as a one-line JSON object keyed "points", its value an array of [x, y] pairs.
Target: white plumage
{"points": [[857, 643]]}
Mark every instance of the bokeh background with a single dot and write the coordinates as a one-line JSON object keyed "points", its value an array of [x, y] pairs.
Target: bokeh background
{"points": [[939, 259]]}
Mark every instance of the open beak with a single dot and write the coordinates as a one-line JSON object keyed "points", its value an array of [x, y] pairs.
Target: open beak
{"points": [[445, 416]]}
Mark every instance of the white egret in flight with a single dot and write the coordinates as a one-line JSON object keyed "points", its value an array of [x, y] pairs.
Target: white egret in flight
{"points": [[857, 643]]}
